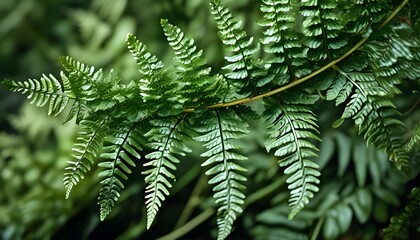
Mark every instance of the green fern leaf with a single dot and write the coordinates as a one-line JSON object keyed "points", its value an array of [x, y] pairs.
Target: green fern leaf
{"points": [[122, 145], [292, 127], [361, 14], [217, 130], [395, 58], [155, 82], [377, 117], [168, 137], [47, 90], [322, 28], [89, 143], [148, 64], [397, 228], [415, 139], [79, 82], [340, 90], [197, 85], [241, 65], [287, 55]]}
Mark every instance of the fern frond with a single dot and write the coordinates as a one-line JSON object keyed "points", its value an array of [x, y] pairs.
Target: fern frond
{"points": [[415, 139], [217, 130], [168, 137], [397, 228], [293, 129], [78, 109], [241, 67], [155, 82], [287, 55], [396, 57], [89, 88], [339, 90], [88, 144], [361, 14], [377, 117], [47, 90], [122, 144], [197, 85], [80, 79], [322, 28], [148, 64]]}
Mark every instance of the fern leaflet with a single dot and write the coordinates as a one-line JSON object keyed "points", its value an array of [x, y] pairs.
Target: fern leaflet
{"points": [[217, 132], [122, 143], [376, 116], [241, 67], [89, 143], [197, 85], [46, 90], [397, 228], [322, 29], [168, 136], [155, 82], [292, 127], [287, 55]]}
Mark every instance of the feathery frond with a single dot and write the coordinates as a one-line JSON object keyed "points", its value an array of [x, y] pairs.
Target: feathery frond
{"points": [[88, 145], [376, 116], [352, 56], [293, 130], [360, 15], [122, 145], [241, 67], [339, 90], [415, 139], [217, 129], [287, 55], [197, 85], [80, 79], [47, 90], [397, 228], [322, 28], [395, 57], [155, 82], [168, 137]]}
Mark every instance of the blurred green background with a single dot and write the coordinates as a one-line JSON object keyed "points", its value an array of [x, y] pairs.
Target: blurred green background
{"points": [[360, 189]]}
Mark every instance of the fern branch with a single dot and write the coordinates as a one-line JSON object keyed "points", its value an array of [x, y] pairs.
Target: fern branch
{"points": [[168, 136], [376, 116], [241, 64], [292, 129], [47, 90], [217, 131], [123, 144], [89, 143], [197, 86]]}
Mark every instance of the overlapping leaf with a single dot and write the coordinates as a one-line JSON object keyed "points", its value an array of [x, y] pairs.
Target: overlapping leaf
{"points": [[322, 28], [197, 85]]}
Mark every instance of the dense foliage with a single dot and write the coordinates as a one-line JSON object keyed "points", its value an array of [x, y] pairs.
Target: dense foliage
{"points": [[360, 56]]}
